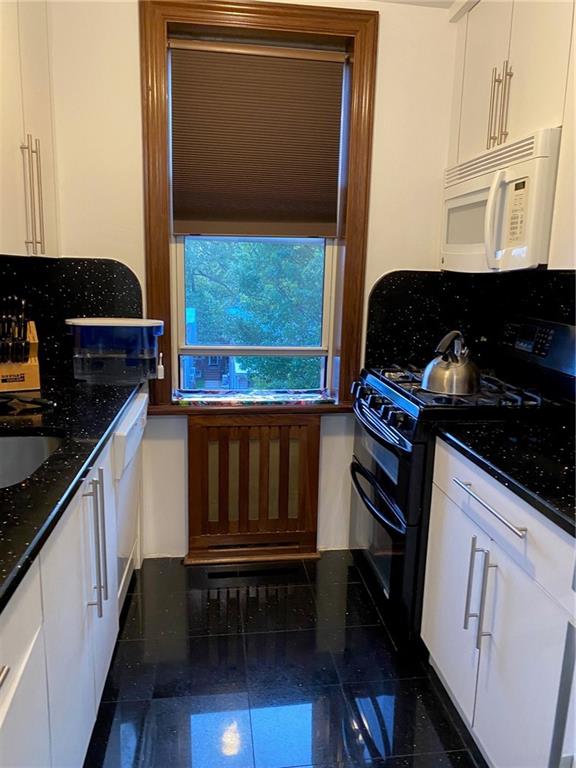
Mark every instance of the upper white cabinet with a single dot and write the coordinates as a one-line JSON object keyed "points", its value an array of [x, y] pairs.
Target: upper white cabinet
{"points": [[513, 68], [27, 201], [487, 40]]}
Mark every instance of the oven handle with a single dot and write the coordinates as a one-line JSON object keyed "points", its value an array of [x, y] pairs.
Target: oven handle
{"points": [[397, 522], [400, 451]]}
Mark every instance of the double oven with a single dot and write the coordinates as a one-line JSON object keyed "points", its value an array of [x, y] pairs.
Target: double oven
{"points": [[391, 475]]}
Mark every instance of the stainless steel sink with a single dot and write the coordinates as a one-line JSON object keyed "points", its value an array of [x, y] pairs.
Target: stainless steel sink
{"points": [[21, 455]]}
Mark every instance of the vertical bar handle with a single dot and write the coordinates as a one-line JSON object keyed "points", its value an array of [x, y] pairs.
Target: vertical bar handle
{"points": [[30, 200], [473, 552], [93, 494], [507, 75], [490, 219], [42, 241], [481, 611], [102, 507], [489, 136], [4, 670]]}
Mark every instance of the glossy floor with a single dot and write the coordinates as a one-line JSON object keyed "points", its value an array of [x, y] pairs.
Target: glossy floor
{"points": [[267, 667]]}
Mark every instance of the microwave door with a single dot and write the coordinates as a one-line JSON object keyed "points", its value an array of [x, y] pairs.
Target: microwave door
{"points": [[464, 228]]}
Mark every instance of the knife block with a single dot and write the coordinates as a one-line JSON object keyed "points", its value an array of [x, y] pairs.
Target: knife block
{"points": [[21, 377]]}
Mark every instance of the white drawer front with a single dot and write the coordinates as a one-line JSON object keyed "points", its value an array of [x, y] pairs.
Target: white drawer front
{"points": [[19, 624], [541, 548]]}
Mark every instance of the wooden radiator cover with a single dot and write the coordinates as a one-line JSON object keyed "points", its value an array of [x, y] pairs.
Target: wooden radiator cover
{"points": [[253, 487]]}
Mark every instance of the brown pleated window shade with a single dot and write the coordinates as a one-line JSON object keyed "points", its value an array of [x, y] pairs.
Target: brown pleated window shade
{"points": [[255, 144]]}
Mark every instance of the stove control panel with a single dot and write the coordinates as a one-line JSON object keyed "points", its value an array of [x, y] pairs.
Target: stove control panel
{"points": [[544, 343]]}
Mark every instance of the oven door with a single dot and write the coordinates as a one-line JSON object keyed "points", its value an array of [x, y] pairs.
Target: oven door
{"points": [[378, 527]]}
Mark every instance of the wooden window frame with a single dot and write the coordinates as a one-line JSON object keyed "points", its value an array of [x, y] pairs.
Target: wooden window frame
{"points": [[360, 30]]}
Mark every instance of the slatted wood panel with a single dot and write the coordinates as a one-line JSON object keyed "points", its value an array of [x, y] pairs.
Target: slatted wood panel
{"points": [[253, 487]]}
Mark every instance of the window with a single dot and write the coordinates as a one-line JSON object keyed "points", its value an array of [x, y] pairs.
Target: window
{"points": [[254, 313], [177, 212]]}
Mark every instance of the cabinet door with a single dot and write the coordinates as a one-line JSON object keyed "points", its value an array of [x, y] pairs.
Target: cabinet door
{"points": [[453, 569], [539, 53], [24, 734], [67, 617], [13, 231], [104, 629], [37, 102], [520, 667], [487, 43]]}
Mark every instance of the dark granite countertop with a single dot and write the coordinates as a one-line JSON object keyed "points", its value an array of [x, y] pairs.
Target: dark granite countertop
{"points": [[534, 460], [83, 416]]}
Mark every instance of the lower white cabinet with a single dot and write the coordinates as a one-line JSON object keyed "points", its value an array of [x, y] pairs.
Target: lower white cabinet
{"points": [[80, 623], [452, 572], [494, 634], [24, 725]]}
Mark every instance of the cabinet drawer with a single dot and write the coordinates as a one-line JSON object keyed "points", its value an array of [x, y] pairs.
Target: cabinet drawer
{"points": [[20, 622], [545, 552]]}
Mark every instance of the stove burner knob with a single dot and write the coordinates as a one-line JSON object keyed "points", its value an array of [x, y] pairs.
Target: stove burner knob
{"points": [[373, 401], [383, 412], [355, 387], [396, 418]]}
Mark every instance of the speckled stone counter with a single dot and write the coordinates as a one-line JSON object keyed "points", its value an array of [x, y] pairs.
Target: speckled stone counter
{"points": [[84, 417], [535, 461]]}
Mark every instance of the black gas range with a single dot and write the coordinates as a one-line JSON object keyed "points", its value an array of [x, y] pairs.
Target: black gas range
{"points": [[396, 425]]}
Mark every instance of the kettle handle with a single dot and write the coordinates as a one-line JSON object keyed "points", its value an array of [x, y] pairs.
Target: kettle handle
{"points": [[445, 343]]}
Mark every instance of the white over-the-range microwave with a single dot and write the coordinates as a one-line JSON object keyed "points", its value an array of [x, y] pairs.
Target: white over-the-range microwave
{"points": [[498, 206]]}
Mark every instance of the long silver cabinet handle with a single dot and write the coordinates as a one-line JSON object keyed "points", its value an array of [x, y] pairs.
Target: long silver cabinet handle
{"points": [[93, 494], [520, 532], [479, 630], [493, 100], [473, 552], [30, 200], [507, 75], [103, 528], [4, 670], [42, 241]]}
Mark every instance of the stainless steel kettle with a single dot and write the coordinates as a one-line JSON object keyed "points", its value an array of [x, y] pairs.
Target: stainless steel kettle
{"points": [[451, 372]]}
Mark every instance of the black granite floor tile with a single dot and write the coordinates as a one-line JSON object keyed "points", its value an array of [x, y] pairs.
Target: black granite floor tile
{"points": [[271, 608], [367, 653], [460, 759], [345, 605], [398, 718], [297, 727], [333, 567], [187, 732], [271, 574], [199, 665], [196, 612], [132, 672], [279, 660]]}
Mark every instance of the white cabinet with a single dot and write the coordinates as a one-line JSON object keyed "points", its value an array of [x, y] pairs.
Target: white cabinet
{"points": [[12, 190], [67, 590], [513, 70], [520, 667], [486, 48], [81, 619], [539, 53], [452, 592], [27, 201], [512, 580], [24, 730]]}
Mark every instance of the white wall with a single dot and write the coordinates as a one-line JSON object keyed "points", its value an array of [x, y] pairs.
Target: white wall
{"points": [[99, 146], [95, 63]]}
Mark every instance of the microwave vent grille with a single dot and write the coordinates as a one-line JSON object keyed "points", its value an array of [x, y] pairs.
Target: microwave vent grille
{"points": [[517, 152]]}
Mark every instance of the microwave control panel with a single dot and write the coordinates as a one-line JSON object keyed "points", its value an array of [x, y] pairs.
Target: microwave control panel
{"points": [[516, 213]]}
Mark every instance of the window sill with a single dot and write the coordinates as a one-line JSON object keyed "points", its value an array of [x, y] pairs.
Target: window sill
{"points": [[180, 409]]}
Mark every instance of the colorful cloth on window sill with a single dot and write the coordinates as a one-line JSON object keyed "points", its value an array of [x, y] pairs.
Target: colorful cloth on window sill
{"points": [[253, 397]]}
